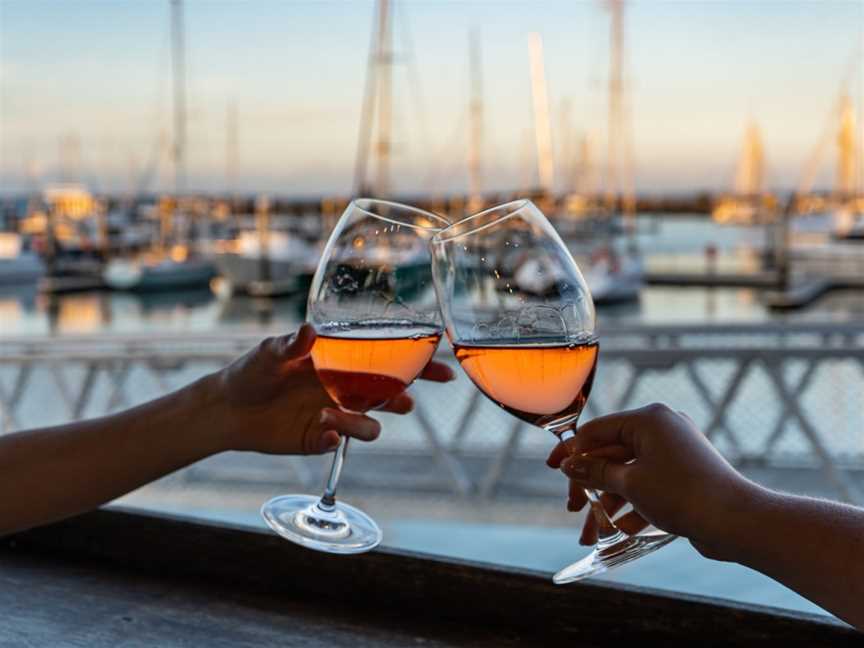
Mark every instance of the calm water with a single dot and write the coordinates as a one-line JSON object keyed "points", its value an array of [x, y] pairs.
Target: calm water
{"points": [[668, 244]]}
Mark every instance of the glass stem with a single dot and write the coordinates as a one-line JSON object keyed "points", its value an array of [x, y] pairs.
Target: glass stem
{"points": [[607, 533], [328, 499]]}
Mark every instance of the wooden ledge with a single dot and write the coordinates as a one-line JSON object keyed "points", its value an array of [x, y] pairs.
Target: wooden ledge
{"points": [[118, 575]]}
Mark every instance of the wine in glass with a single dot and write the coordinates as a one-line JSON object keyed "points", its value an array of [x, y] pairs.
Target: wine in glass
{"points": [[377, 322], [521, 321]]}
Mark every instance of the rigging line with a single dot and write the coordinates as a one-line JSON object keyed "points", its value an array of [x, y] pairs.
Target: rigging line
{"points": [[436, 169], [178, 60], [441, 171], [805, 184], [413, 79], [859, 148], [152, 163], [364, 132], [85, 171]]}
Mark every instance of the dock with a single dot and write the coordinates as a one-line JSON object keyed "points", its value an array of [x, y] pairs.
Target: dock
{"points": [[712, 279], [62, 285], [801, 292]]}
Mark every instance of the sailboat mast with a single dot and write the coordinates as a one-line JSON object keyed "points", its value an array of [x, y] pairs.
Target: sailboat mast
{"points": [[614, 108], [476, 130], [845, 181], [231, 150], [586, 183], [750, 173], [70, 158], [619, 181], [178, 58], [367, 114], [377, 103], [383, 146], [565, 153], [542, 131]]}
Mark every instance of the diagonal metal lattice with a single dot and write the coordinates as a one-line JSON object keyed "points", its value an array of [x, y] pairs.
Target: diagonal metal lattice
{"points": [[92, 376]]}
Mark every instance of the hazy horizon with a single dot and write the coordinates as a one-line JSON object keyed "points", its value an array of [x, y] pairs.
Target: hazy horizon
{"points": [[99, 74]]}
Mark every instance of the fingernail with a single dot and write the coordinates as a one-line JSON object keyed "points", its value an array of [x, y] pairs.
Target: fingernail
{"points": [[574, 468], [325, 417], [327, 447]]}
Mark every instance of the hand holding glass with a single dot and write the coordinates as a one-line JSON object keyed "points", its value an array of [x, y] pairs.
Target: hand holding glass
{"points": [[373, 308], [521, 321]]}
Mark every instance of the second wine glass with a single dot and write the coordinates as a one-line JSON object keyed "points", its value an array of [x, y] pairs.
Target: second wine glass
{"points": [[373, 307], [521, 322]]}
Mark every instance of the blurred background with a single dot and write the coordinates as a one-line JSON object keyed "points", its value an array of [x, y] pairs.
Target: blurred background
{"points": [[169, 171]]}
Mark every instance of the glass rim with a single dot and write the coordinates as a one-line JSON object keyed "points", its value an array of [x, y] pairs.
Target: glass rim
{"points": [[357, 203], [511, 208]]}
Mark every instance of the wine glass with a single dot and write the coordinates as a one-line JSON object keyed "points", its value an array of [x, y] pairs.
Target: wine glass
{"points": [[373, 308], [520, 319]]}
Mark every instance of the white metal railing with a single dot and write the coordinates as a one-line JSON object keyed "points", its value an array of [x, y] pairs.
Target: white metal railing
{"points": [[756, 391]]}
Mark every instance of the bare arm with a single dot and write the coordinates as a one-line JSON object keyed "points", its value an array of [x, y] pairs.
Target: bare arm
{"points": [[50, 473], [269, 400], [656, 459], [812, 546]]}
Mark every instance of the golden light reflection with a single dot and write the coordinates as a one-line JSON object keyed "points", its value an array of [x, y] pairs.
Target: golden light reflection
{"points": [[80, 314], [72, 201], [35, 223], [179, 253], [10, 310]]}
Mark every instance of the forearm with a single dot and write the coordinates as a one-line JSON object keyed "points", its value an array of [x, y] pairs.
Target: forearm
{"points": [[812, 546], [51, 473]]}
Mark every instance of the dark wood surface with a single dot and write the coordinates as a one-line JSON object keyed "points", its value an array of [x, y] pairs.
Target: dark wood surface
{"points": [[113, 578]]}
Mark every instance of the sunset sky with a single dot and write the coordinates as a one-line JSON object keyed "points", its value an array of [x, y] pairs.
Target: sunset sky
{"points": [[99, 73]]}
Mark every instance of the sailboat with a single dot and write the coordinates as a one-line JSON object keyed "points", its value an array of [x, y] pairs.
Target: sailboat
{"points": [[18, 265], [581, 201], [266, 262], [170, 266], [839, 215], [68, 231], [848, 214], [747, 204], [611, 262]]}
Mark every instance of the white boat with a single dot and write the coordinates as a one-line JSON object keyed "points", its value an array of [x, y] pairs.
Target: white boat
{"points": [[843, 222], [162, 275], [285, 266], [839, 215], [748, 204], [848, 223], [612, 278], [17, 265]]}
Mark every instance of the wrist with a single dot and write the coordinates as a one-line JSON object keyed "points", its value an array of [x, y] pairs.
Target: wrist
{"points": [[208, 414], [738, 524]]}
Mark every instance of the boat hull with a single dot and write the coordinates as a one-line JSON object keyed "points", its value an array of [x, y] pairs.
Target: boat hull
{"points": [[23, 269], [161, 277], [250, 275]]}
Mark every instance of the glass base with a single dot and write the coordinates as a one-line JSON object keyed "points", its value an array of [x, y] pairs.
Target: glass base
{"points": [[341, 529], [612, 554]]}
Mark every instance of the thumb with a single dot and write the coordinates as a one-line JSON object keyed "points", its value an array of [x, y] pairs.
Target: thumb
{"points": [[598, 473], [297, 345]]}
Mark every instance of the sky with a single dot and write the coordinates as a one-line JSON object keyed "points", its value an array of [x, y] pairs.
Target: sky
{"points": [[85, 90]]}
